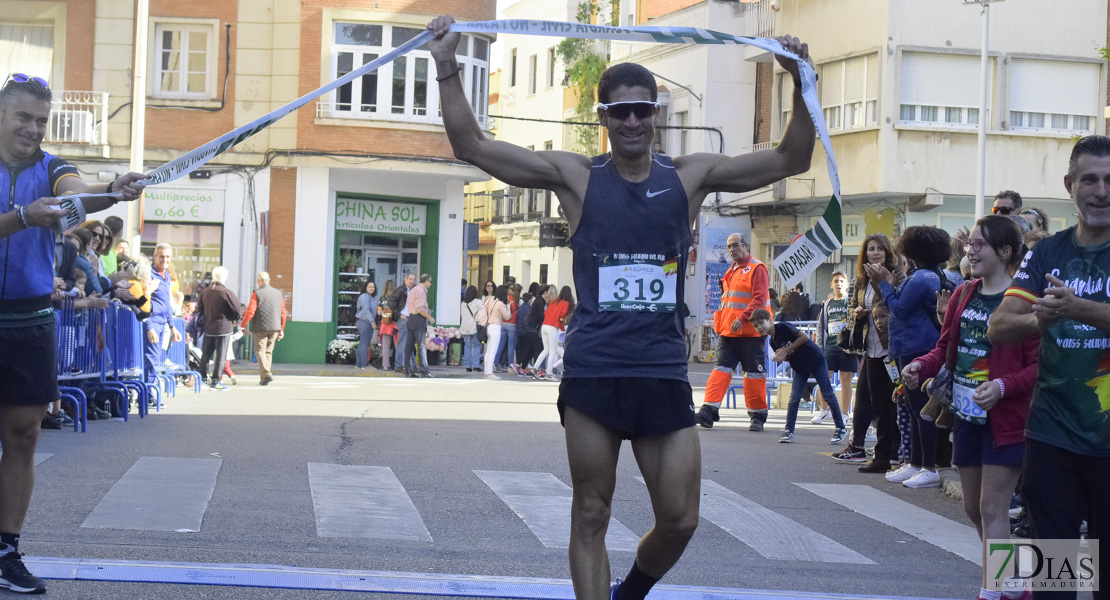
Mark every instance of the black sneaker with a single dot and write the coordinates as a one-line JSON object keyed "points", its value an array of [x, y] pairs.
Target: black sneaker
{"points": [[851, 454], [15, 576], [707, 416], [49, 422]]}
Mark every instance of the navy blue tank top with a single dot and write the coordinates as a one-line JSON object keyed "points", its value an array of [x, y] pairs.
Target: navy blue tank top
{"points": [[630, 255]]}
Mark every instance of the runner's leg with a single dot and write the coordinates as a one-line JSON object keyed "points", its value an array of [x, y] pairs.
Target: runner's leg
{"points": [[592, 451], [671, 466]]}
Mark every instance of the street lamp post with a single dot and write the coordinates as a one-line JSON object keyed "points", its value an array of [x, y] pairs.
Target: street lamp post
{"points": [[984, 81]]}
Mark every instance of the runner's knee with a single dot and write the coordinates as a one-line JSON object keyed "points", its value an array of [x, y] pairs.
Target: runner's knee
{"points": [[590, 515]]}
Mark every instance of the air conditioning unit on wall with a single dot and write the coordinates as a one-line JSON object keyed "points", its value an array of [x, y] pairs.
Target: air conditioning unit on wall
{"points": [[75, 126]]}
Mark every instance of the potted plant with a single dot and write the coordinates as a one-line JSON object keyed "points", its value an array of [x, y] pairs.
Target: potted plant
{"points": [[341, 352]]}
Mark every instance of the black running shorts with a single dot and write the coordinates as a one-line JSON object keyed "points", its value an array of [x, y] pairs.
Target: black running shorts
{"points": [[633, 407], [28, 365]]}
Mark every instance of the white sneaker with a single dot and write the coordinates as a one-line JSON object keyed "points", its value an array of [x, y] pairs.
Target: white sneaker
{"points": [[821, 416], [870, 436], [902, 473], [923, 479]]}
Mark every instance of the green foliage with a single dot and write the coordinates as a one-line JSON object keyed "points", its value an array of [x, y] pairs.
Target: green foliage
{"points": [[1104, 53], [584, 65]]}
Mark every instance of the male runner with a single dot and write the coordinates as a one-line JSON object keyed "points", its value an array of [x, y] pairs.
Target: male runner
{"points": [[629, 214]]}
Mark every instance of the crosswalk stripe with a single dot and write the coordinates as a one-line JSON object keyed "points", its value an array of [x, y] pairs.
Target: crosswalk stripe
{"points": [[158, 494], [924, 525], [39, 456], [543, 503], [358, 501], [770, 534]]}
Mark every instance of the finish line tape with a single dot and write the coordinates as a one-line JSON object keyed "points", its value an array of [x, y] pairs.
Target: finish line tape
{"points": [[801, 258]]}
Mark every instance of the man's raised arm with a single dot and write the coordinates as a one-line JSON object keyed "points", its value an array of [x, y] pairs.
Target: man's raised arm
{"points": [[508, 162]]}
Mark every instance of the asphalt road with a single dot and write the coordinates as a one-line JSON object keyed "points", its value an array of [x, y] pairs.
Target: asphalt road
{"points": [[438, 438]]}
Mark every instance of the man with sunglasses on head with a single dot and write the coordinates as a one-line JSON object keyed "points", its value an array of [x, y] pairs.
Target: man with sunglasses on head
{"points": [[1007, 202], [629, 214], [28, 359]]}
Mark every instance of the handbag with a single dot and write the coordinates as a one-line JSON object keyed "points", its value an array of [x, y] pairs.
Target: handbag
{"points": [[481, 328]]}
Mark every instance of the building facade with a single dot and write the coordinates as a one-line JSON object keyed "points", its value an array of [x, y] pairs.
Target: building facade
{"points": [[359, 185]]}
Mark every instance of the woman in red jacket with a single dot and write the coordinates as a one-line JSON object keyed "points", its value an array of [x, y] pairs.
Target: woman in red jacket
{"points": [[991, 385]]}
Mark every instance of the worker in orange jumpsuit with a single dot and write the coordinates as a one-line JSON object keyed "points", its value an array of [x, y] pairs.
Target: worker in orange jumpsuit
{"points": [[744, 288]]}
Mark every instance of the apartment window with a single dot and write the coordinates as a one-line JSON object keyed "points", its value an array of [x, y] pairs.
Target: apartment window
{"points": [[1054, 95], [402, 89], [786, 101], [551, 67], [941, 88], [26, 48], [184, 65], [543, 273], [682, 120], [532, 74], [850, 92], [512, 68]]}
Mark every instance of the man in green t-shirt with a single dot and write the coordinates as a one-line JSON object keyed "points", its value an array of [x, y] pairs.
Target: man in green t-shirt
{"points": [[834, 317], [1061, 292]]}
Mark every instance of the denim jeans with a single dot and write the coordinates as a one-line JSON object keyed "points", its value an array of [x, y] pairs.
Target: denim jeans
{"points": [[821, 376], [365, 332], [507, 345], [472, 352], [417, 336], [402, 340]]}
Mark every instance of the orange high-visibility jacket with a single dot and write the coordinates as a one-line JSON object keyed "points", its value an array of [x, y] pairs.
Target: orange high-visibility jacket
{"points": [[739, 300]]}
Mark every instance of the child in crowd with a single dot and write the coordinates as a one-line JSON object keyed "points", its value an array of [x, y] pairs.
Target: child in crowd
{"points": [[806, 360]]}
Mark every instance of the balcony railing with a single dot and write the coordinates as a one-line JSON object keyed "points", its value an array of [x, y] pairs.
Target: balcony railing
{"points": [[79, 118], [760, 19]]}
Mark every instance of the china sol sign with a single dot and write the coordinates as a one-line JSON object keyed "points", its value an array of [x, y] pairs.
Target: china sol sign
{"points": [[375, 216]]}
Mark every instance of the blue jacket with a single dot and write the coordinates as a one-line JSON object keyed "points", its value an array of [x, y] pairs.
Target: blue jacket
{"points": [[27, 257], [161, 312], [911, 328]]}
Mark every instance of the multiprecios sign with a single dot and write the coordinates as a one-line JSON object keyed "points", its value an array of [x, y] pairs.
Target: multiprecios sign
{"points": [[380, 217], [184, 205]]}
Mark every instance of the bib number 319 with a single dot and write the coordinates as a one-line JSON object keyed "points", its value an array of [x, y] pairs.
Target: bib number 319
{"points": [[637, 283]]}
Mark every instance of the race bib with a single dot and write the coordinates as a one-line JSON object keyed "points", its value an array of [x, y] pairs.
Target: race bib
{"points": [[835, 327], [637, 283], [964, 407]]}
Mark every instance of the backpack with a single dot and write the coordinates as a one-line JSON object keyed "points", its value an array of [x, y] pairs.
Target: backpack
{"points": [[945, 286]]}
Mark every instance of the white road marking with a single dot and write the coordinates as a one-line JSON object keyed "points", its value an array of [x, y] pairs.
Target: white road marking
{"points": [[542, 501], [357, 501], [158, 494], [924, 525]]}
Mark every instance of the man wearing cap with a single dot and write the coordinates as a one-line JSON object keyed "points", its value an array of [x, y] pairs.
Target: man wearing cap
{"points": [[28, 358]]}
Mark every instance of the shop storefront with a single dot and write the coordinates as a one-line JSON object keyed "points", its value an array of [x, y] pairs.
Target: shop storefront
{"points": [[191, 220]]}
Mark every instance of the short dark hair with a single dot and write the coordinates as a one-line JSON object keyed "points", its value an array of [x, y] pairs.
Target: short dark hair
{"points": [[1012, 195], [627, 75], [114, 223], [926, 246], [1000, 232], [760, 314], [1095, 145], [30, 87]]}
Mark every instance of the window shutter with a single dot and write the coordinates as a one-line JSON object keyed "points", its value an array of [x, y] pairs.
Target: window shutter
{"points": [[832, 84], [872, 91], [1049, 86], [853, 79], [27, 49], [940, 80]]}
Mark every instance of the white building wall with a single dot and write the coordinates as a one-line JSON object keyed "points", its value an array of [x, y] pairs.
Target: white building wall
{"points": [[313, 260]]}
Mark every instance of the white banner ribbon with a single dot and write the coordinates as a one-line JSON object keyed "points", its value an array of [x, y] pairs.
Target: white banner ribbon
{"points": [[795, 263]]}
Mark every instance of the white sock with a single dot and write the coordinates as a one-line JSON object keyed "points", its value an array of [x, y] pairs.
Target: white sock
{"points": [[986, 594]]}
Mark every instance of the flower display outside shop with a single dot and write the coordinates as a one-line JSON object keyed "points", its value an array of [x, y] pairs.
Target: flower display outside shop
{"points": [[439, 337], [341, 351]]}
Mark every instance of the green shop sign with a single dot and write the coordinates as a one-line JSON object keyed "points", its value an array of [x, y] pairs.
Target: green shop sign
{"points": [[380, 217]]}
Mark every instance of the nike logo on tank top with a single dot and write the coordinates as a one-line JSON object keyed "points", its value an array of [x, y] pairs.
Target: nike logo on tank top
{"points": [[630, 255]]}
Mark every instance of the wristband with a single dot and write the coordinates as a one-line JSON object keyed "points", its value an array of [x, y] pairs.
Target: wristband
{"points": [[110, 184], [21, 214], [450, 75], [1001, 388]]}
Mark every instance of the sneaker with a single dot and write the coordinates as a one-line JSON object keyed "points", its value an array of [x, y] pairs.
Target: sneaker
{"points": [[902, 473], [875, 466], [851, 454], [787, 437], [49, 422], [549, 377], [821, 416], [235, 381], [538, 374], [64, 419], [15, 576], [1015, 505], [870, 436], [839, 436], [266, 381], [492, 376], [923, 479], [219, 387], [707, 415]]}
